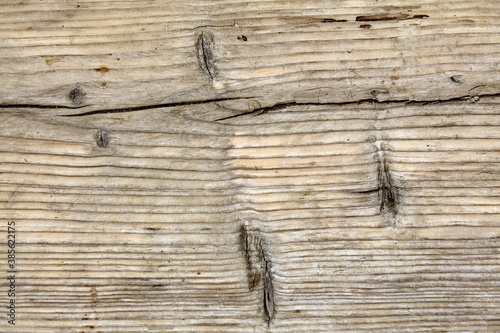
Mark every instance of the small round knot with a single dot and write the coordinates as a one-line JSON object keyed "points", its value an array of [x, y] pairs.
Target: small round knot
{"points": [[102, 139], [76, 95]]}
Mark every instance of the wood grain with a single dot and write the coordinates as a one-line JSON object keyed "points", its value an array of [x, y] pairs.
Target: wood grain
{"points": [[251, 166], [138, 53], [146, 234]]}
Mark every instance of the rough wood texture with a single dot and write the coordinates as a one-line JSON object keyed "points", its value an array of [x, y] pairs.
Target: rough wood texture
{"points": [[263, 166], [137, 53]]}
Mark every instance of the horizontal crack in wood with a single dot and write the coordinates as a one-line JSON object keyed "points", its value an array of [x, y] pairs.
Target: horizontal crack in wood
{"points": [[155, 106], [280, 106], [259, 111], [40, 106]]}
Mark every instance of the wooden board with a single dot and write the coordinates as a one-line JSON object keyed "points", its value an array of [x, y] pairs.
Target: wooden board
{"points": [[317, 175], [136, 53]]}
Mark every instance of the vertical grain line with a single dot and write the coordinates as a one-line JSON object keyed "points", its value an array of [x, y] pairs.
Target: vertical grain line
{"points": [[268, 305], [258, 265], [206, 59], [388, 193]]}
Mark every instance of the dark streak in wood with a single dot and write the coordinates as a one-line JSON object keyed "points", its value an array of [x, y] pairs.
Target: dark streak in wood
{"points": [[252, 257], [330, 20], [102, 69], [388, 193], [383, 17], [268, 287], [206, 57], [244, 244], [258, 266]]}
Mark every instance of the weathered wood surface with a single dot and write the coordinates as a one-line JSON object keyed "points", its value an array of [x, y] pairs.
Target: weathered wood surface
{"points": [[137, 53], [314, 176]]}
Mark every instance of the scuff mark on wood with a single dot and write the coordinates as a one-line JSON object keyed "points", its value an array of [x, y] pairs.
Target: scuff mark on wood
{"points": [[206, 59]]}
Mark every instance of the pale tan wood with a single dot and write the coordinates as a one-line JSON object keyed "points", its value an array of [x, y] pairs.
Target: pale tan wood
{"points": [[261, 166], [137, 53], [167, 228]]}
